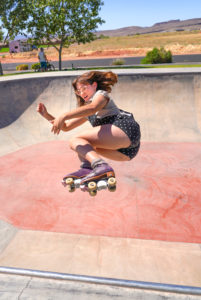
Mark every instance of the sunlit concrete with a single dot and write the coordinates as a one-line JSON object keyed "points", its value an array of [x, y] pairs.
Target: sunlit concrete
{"points": [[149, 229]]}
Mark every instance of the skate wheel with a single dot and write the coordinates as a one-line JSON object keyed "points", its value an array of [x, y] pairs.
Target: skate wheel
{"points": [[92, 186], [70, 184], [112, 188], [112, 181], [93, 193], [71, 188], [69, 181], [101, 185]]}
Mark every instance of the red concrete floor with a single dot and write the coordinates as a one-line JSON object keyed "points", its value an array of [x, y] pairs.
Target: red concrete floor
{"points": [[158, 195]]}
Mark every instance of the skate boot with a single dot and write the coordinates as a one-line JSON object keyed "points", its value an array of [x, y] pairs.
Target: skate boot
{"points": [[72, 180], [101, 177]]}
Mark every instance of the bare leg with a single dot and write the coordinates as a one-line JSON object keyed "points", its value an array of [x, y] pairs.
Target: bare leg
{"points": [[101, 140], [112, 154], [84, 163]]}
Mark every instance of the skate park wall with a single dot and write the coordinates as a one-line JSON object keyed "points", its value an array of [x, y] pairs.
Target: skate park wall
{"points": [[166, 105]]}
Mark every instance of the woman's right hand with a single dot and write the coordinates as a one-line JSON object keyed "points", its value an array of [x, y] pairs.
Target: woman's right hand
{"points": [[42, 109]]}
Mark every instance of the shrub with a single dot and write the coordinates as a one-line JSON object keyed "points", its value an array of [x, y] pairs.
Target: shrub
{"points": [[118, 62], [22, 67], [157, 56], [35, 66]]}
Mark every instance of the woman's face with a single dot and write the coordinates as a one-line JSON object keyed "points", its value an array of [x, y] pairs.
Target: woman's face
{"points": [[86, 91]]}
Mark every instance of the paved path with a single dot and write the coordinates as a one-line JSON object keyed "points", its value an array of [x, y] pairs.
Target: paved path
{"points": [[26, 287], [105, 62]]}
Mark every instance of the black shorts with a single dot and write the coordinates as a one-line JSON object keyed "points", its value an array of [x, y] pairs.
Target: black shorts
{"points": [[126, 122]]}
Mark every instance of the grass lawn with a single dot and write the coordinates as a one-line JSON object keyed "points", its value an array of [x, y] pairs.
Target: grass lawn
{"points": [[4, 50]]}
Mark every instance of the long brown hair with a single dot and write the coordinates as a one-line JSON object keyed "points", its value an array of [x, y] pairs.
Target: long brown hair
{"points": [[104, 82]]}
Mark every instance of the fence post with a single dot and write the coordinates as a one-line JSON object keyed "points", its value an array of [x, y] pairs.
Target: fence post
{"points": [[1, 70]]}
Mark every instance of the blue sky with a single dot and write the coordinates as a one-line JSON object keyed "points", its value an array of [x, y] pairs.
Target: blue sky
{"points": [[123, 13]]}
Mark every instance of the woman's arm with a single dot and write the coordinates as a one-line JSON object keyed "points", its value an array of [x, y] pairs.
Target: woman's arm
{"points": [[67, 126], [41, 108], [81, 112]]}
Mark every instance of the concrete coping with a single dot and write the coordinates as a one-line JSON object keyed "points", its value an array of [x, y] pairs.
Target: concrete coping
{"points": [[158, 71]]}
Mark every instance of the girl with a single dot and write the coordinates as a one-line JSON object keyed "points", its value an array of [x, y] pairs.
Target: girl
{"points": [[114, 133]]}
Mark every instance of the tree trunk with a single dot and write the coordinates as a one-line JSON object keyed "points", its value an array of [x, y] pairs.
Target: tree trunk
{"points": [[60, 53], [1, 69]]}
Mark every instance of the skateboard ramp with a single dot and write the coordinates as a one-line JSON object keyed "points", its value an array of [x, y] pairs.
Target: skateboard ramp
{"points": [[167, 106], [149, 229], [158, 192]]}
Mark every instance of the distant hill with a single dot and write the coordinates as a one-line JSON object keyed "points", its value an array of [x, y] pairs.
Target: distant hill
{"points": [[168, 26]]}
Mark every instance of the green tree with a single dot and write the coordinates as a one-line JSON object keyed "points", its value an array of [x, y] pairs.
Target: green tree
{"points": [[13, 16], [59, 23]]}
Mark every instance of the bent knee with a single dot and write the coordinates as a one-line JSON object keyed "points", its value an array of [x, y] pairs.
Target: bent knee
{"points": [[73, 143], [77, 141]]}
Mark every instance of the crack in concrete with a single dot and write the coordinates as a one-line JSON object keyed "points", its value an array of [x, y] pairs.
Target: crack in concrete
{"points": [[26, 286]]}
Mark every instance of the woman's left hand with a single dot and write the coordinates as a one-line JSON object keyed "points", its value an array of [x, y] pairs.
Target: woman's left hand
{"points": [[57, 124]]}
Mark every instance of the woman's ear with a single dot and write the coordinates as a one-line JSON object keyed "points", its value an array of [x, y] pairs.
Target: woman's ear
{"points": [[95, 84]]}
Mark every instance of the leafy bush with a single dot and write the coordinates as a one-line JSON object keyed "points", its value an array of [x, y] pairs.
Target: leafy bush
{"points": [[35, 66], [157, 56], [22, 67], [118, 62]]}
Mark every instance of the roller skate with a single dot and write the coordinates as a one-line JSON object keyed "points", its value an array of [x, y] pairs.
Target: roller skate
{"points": [[101, 177], [72, 180]]}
